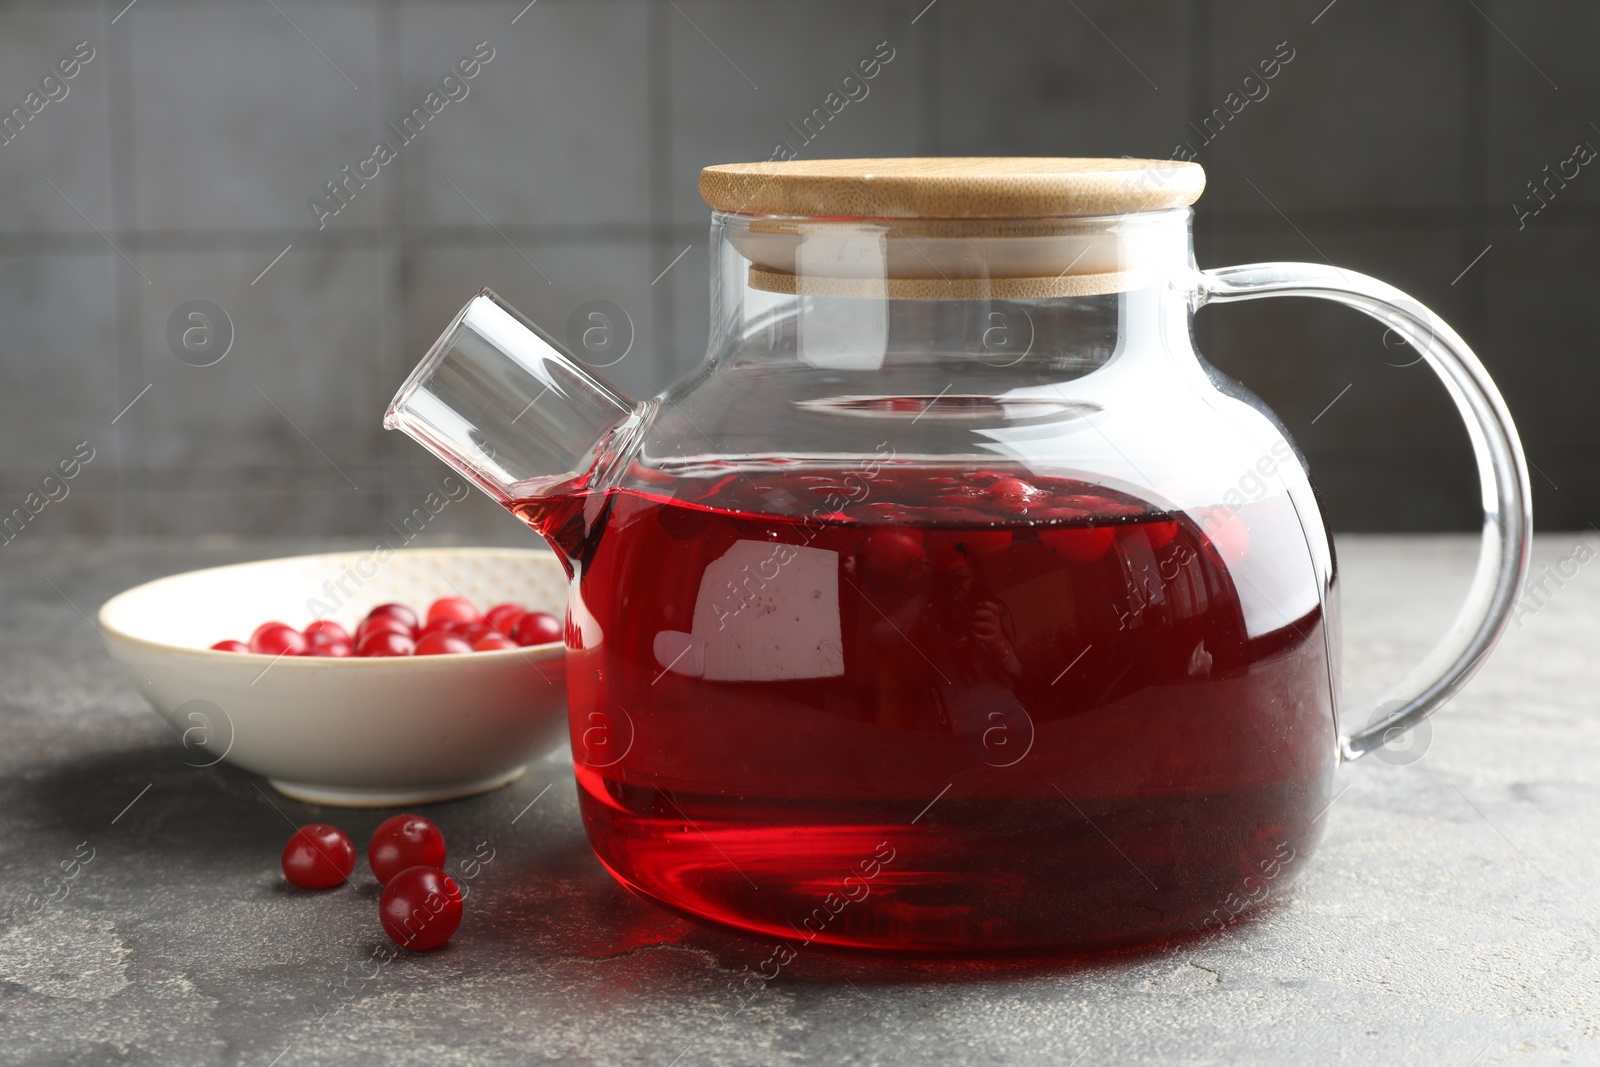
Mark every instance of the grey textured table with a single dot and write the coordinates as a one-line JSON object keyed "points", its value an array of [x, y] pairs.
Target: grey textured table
{"points": [[1448, 918]]}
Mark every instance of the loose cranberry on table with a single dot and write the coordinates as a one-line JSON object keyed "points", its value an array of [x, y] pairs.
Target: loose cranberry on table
{"points": [[277, 639], [538, 628], [318, 856], [452, 609], [404, 841], [420, 908], [385, 643]]}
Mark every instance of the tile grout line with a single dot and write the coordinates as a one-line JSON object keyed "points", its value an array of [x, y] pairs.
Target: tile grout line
{"points": [[658, 173], [928, 40], [426, 236], [128, 363], [1197, 27], [396, 477], [1475, 165]]}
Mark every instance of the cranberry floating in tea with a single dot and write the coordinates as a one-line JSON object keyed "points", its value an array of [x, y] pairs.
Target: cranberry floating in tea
{"points": [[954, 602]]}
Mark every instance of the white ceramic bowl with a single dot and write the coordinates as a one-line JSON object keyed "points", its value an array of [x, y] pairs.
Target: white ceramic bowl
{"points": [[354, 732]]}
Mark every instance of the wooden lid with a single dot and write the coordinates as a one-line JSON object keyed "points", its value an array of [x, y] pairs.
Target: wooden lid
{"points": [[944, 259], [891, 288], [973, 187]]}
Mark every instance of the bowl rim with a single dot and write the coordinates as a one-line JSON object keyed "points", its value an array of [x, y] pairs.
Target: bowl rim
{"points": [[532, 653]]}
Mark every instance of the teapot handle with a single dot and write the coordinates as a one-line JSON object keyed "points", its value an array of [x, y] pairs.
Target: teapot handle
{"points": [[1507, 496]]}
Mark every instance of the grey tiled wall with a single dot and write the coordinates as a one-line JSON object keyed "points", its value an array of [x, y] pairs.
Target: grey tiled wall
{"points": [[179, 165]]}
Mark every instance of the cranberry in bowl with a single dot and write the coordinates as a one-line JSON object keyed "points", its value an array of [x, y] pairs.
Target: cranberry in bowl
{"points": [[306, 670]]}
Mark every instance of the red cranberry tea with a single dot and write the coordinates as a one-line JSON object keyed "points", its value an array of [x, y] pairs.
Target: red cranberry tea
{"points": [[941, 709]]}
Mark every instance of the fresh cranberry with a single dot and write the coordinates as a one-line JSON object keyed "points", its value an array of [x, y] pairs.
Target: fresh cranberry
{"points": [[318, 856], [1015, 493], [1081, 544], [957, 514], [943, 552], [1095, 505], [277, 639], [983, 542], [452, 609], [953, 548], [383, 624], [395, 611], [960, 495], [494, 641], [1228, 538], [503, 617], [420, 908], [442, 626], [1159, 534], [404, 841], [887, 559], [385, 643], [230, 646], [473, 631], [324, 631], [538, 628], [332, 649], [441, 644], [884, 512]]}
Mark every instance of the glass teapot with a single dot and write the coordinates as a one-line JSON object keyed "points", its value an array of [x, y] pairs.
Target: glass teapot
{"points": [[954, 602]]}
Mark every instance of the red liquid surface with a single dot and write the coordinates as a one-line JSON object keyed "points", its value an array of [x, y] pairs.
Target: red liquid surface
{"points": [[941, 710]]}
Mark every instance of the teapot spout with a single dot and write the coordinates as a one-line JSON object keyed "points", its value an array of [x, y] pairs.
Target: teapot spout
{"points": [[504, 404]]}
